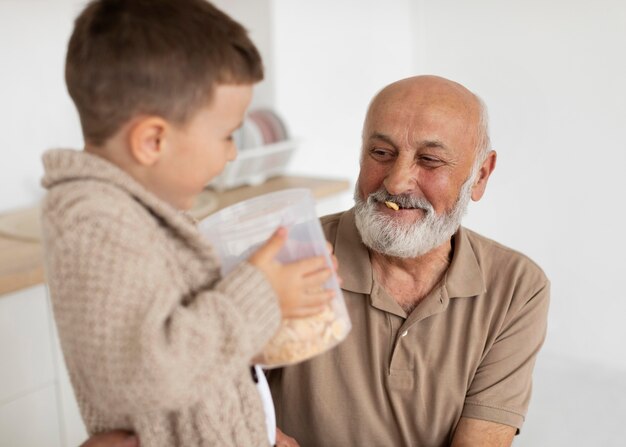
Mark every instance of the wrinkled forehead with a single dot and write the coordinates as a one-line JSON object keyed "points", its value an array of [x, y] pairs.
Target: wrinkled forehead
{"points": [[416, 109]]}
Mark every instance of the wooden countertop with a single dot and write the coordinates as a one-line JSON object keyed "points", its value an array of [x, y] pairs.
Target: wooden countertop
{"points": [[21, 262]]}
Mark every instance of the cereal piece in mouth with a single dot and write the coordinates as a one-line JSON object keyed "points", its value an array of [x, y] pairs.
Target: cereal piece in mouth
{"points": [[393, 205]]}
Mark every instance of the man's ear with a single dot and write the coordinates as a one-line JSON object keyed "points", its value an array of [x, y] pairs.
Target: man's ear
{"points": [[478, 189], [147, 138]]}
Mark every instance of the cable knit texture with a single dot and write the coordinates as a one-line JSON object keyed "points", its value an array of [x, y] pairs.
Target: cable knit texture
{"points": [[154, 340]]}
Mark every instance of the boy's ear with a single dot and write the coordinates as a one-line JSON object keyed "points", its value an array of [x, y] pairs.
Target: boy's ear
{"points": [[478, 189], [148, 139]]}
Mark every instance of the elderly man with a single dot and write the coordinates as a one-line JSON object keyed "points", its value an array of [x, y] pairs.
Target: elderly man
{"points": [[446, 323]]}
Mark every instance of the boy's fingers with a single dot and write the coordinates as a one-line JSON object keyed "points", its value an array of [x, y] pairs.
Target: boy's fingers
{"points": [[268, 251], [329, 247], [309, 266], [317, 297], [312, 301], [317, 279], [309, 311]]}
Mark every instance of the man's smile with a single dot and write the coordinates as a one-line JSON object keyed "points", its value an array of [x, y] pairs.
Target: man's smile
{"points": [[401, 211]]}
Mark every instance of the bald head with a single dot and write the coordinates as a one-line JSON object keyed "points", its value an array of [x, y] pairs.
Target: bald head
{"points": [[429, 97]]}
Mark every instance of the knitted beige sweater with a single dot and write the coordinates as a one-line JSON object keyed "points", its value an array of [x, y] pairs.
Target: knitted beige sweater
{"points": [[153, 339]]}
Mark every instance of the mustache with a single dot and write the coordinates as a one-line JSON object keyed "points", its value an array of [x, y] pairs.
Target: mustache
{"points": [[403, 200]]}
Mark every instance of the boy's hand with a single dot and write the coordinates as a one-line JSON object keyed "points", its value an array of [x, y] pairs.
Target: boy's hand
{"points": [[333, 258], [300, 284]]}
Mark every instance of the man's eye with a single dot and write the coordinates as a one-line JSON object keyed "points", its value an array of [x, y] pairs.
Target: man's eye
{"points": [[380, 154], [429, 161]]}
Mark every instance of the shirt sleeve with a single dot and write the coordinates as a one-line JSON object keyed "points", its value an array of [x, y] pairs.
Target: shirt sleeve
{"points": [[501, 388], [132, 337]]}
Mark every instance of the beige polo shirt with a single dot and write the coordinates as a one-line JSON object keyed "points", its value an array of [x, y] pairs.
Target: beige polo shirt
{"points": [[468, 349]]}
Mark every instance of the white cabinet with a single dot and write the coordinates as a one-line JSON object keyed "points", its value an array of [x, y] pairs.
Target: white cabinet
{"points": [[74, 432], [37, 405], [29, 406], [31, 420], [25, 343]]}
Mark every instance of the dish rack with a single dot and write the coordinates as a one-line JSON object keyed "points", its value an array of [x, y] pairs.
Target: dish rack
{"points": [[255, 165]]}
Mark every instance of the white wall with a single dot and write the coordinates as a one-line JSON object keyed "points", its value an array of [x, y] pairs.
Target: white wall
{"points": [[38, 113], [330, 58], [552, 74], [256, 17]]}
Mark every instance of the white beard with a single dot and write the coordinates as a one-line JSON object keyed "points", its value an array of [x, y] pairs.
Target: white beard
{"points": [[388, 236]]}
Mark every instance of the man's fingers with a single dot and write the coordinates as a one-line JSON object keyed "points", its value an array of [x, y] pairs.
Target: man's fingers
{"points": [[282, 440], [131, 441], [268, 251]]}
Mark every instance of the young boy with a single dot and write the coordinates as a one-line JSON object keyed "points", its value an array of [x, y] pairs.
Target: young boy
{"points": [[154, 340]]}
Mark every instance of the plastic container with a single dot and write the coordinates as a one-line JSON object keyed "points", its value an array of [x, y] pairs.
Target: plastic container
{"points": [[237, 231]]}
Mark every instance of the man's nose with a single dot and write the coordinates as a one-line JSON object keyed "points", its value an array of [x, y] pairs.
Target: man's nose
{"points": [[402, 177]]}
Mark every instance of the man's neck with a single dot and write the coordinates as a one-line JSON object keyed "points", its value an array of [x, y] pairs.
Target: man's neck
{"points": [[409, 281]]}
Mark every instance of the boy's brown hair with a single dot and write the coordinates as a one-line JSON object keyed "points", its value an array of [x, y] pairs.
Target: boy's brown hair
{"points": [[158, 57]]}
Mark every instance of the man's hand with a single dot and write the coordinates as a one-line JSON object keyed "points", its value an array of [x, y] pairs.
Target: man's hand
{"points": [[282, 440], [299, 285], [117, 438]]}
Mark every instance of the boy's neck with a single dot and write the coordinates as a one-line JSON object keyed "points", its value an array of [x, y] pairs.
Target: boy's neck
{"points": [[115, 150]]}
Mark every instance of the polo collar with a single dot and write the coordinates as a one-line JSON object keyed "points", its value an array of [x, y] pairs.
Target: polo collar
{"points": [[353, 257], [464, 277]]}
